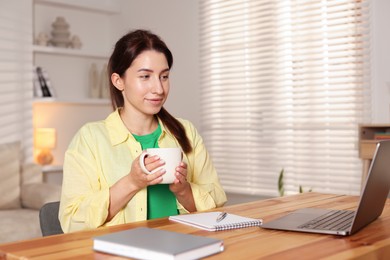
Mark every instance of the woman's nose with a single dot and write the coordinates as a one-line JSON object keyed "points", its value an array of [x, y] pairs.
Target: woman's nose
{"points": [[157, 86]]}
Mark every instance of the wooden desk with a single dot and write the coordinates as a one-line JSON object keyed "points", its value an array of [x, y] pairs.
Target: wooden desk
{"points": [[372, 242]]}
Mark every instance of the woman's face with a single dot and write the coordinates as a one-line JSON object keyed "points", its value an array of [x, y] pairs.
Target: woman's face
{"points": [[145, 84]]}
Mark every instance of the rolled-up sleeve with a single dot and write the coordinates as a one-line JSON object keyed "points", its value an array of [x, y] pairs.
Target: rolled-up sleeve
{"points": [[85, 197]]}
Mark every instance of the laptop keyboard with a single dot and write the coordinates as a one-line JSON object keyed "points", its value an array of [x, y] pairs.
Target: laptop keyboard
{"points": [[334, 220]]}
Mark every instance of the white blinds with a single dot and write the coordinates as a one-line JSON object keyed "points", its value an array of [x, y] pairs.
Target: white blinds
{"points": [[16, 73], [284, 85]]}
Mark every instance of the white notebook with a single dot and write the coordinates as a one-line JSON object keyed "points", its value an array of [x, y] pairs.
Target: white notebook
{"points": [[208, 221]]}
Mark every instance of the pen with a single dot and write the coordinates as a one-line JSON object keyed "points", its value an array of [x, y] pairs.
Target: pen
{"points": [[221, 216]]}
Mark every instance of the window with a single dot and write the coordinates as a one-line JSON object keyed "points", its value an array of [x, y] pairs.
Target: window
{"points": [[16, 74], [284, 86]]}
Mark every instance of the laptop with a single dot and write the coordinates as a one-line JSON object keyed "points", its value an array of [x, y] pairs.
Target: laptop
{"points": [[345, 222]]}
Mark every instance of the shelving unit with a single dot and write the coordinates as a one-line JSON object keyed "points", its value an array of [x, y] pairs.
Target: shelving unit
{"points": [[68, 52], [68, 69], [367, 144], [86, 101], [103, 6]]}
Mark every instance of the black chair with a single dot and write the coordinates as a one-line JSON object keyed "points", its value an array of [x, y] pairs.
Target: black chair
{"points": [[48, 219]]}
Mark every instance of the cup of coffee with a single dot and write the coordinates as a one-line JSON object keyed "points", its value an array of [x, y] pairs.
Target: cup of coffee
{"points": [[172, 158]]}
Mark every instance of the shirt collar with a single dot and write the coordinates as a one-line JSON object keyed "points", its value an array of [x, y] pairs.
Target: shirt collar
{"points": [[118, 132]]}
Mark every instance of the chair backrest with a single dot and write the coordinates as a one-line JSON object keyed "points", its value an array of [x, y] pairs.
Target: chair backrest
{"points": [[48, 219]]}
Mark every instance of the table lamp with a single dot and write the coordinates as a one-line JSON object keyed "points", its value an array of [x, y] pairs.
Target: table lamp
{"points": [[45, 140]]}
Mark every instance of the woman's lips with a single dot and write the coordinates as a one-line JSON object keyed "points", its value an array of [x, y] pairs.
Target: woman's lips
{"points": [[155, 101]]}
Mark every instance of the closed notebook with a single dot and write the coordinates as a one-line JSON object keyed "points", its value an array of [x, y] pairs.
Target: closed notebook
{"points": [[208, 221], [149, 243]]}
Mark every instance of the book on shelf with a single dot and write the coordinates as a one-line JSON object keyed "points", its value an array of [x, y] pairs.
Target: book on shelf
{"points": [[42, 84], [150, 243], [211, 221], [382, 136]]}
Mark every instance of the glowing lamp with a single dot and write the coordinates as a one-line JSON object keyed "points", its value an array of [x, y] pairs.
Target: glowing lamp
{"points": [[45, 141]]}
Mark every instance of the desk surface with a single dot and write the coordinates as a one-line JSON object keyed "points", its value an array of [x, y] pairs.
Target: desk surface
{"points": [[372, 242]]}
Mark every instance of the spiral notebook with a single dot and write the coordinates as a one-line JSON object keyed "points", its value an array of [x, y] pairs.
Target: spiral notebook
{"points": [[208, 221]]}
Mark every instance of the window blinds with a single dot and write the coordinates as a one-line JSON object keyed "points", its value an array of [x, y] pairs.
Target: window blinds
{"points": [[16, 73], [284, 85]]}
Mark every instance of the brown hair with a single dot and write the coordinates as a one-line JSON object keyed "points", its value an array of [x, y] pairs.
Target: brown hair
{"points": [[126, 50]]}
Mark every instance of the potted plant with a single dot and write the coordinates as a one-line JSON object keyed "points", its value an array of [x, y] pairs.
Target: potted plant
{"points": [[281, 184]]}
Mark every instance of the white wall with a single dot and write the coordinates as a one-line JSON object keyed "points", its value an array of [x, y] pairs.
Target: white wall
{"points": [[380, 69], [176, 22]]}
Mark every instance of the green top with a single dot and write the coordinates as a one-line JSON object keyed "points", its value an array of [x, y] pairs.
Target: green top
{"points": [[161, 201]]}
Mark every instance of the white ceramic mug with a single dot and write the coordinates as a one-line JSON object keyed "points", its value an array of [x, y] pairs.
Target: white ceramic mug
{"points": [[172, 158]]}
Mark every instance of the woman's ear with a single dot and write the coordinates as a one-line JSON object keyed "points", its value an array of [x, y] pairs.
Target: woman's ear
{"points": [[117, 81]]}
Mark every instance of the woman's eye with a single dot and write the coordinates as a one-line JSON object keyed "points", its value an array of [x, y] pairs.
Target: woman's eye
{"points": [[164, 77], [145, 76]]}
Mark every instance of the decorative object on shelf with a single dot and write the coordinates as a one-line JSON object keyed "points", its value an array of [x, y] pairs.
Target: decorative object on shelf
{"points": [[94, 90], [42, 39], [104, 83], [382, 136], [76, 42], [42, 84], [60, 33], [45, 141]]}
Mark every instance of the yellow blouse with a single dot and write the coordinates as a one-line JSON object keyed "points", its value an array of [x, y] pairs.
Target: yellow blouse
{"points": [[102, 152]]}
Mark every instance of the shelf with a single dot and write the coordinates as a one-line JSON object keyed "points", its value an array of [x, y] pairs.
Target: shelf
{"points": [[100, 6], [51, 168], [367, 149], [367, 141], [68, 52], [86, 101]]}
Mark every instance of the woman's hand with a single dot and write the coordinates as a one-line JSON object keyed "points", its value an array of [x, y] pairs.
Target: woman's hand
{"points": [[140, 179], [180, 183], [182, 189], [125, 189]]}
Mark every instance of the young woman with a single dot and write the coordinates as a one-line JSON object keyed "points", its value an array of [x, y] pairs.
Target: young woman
{"points": [[103, 183]]}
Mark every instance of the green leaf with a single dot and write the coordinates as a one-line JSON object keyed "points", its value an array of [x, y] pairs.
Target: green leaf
{"points": [[280, 183]]}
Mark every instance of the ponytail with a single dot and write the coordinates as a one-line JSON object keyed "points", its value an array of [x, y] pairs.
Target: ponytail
{"points": [[176, 128]]}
